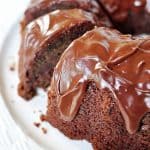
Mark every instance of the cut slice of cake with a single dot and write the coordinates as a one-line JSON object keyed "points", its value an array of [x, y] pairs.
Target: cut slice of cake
{"points": [[43, 42], [100, 91]]}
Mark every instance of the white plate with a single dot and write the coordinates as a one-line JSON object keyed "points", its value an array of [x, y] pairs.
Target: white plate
{"points": [[26, 113]]}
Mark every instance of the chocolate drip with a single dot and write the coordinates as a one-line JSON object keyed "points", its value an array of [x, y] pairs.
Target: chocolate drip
{"points": [[114, 61]]}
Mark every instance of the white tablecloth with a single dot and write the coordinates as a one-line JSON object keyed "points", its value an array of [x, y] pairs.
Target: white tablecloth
{"points": [[11, 136]]}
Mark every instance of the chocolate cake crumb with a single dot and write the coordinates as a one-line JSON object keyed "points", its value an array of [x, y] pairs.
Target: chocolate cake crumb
{"points": [[37, 124], [43, 118], [12, 68], [44, 130]]}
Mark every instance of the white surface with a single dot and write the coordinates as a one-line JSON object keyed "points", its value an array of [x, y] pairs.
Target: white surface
{"points": [[12, 138], [24, 114]]}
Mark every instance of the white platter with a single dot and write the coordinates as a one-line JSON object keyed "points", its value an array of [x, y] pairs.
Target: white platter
{"points": [[26, 113]]}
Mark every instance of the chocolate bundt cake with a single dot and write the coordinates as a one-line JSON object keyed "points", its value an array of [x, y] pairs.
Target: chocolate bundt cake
{"points": [[100, 91], [38, 8], [43, 41], [100, 87], [129, 16]]}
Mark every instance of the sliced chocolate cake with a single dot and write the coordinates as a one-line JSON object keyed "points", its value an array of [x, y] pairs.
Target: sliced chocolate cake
{"points": [[100, 87], [100, 91], [43, 41]]}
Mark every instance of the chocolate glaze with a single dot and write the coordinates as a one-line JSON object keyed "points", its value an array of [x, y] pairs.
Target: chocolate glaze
{"points": [[38, 8], [114, 61], [39, 31], [120, 9], [129, 16], [85, 4]]}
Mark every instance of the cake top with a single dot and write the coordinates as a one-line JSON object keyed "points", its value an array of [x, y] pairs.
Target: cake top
{"points": [[114, 61]]}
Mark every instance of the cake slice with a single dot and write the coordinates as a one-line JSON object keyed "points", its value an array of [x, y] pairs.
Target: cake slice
{"points": [[38, 8], [100, 91], [43, 41]]}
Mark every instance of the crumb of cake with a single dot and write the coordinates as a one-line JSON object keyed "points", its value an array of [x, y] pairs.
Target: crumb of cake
{"points": [[37, 124], [12, 67], [43, 118], [44, 130], [40, 111]]}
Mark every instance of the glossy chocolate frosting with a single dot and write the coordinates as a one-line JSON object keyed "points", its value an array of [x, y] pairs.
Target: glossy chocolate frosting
{"points": [[35, 35], [120, 9], [85, 4], [38, 8], [114, 61]]}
